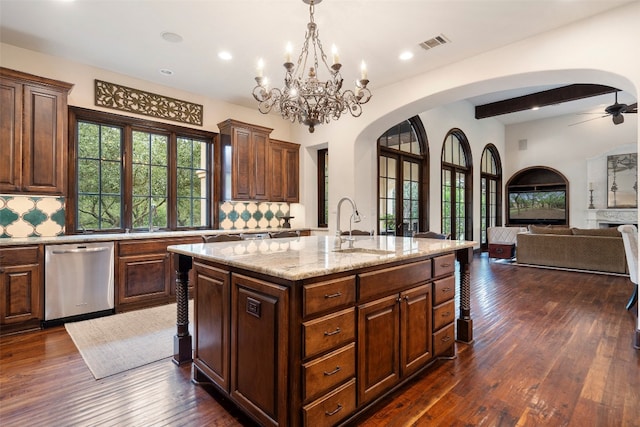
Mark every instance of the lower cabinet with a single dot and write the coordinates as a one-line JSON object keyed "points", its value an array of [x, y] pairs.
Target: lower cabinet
{"points": [[316, 352], [212, 290], [259, 348], [21, 288], [394, 336], [145, 272]]}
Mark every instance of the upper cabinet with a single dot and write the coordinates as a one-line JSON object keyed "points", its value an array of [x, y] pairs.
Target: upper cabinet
{"points": [[245, 161], [255, 167], [285, 175], [33, 131]]}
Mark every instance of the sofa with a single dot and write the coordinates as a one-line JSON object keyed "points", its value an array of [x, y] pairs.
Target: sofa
{"points": [[597, 250]]}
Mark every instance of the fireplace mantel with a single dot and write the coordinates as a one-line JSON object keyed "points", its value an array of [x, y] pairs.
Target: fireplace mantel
{"points": [[601, 218]]}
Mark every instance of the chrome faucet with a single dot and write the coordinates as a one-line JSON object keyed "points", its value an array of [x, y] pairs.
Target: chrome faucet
{"points": [[355, 217]]}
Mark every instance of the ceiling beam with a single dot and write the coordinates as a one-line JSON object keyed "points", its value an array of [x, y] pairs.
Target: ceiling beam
{"points": [[541, 99]]}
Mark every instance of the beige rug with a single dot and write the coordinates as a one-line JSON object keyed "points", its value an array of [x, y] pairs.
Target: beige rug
{"points": [[117, 343]]}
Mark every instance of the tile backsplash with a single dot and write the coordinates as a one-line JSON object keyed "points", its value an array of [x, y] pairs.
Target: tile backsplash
{"points": [[43, 216], [248, 215], [31, 216]]}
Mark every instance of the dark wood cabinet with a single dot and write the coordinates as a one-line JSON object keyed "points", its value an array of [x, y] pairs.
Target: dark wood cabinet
{"points": [[316, 351], [394, 340], [284, 171], [212, 292], [245, 161], [21, 288], [145, 273], [259, 348], [33, 133]]}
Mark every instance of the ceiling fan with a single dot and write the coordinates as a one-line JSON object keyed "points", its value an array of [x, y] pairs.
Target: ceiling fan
{"points": [[616, 111]]}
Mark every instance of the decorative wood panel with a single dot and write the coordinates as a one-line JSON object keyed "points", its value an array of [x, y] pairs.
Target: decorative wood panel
{"points": [[124, 98]]}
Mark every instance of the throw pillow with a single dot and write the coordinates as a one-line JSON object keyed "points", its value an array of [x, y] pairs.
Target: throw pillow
{"points": [[537, 229], [606, 232]]}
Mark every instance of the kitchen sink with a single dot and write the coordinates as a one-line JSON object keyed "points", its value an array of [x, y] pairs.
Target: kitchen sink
{"points": [[364, 251]]}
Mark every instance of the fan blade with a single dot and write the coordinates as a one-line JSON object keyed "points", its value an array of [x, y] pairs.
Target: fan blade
{"points": [[584, 121], [633, 108]]}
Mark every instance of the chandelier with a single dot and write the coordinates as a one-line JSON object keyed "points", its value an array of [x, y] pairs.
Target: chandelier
{"points": [[309, 100]]}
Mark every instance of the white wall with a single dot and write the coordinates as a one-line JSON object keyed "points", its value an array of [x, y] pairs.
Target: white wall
{"points": [[579, 53], [553, 143]]}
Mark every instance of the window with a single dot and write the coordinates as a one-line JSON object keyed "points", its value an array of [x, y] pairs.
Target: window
{"points": [[323, 188], [456, 186], [135, 174], [99, 177], [491, 197], [402, 175]]}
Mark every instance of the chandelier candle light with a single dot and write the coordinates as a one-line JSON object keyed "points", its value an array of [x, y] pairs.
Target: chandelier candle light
{"points": [[309, 100]]}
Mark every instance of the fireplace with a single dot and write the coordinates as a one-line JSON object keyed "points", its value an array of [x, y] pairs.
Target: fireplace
{"points": [[605, 218]]}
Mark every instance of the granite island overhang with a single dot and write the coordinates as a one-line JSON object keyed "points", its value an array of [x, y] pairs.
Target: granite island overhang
{"points": [[332, 329]]}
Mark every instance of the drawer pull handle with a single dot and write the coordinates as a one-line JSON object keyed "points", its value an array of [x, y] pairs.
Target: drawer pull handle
{"points": [[445, 265], [446, 314], [499, 250], [336, 295], [335, 371], [446, 289], [445, 339], [335, 411], [328, 334]]}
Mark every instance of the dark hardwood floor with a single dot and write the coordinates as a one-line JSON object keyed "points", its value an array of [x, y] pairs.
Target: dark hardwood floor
{"points": [[552, 348]]}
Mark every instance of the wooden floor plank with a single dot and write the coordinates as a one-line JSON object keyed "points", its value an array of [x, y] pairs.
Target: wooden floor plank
{"points": [[552, 348]]}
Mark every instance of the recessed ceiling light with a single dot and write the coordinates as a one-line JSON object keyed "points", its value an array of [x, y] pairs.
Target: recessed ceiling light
{"points": [[224, 55], [171, 37], [406, 55], [166, 72]]}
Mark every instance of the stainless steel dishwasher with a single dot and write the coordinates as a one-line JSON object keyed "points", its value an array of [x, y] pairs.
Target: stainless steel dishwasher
{"points": [[78, 281]]}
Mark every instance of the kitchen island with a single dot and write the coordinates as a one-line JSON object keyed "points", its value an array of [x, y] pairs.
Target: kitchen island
{"points": [[298, 332]]}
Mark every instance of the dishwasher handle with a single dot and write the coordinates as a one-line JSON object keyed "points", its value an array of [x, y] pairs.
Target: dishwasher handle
{"points": [[79, 250]]}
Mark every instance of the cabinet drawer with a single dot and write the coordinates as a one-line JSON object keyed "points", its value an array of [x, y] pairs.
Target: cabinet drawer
{"points": [[443, 314], [394, 279], [324, 296], [152, 246], [22, 255], [443, 265], [444, 290], [332, 408], [324, 373], [328, 332], [443, 340]]}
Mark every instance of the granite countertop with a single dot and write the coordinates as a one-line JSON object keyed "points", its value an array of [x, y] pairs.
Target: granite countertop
{"points": [[105, 237], [313, 256]]}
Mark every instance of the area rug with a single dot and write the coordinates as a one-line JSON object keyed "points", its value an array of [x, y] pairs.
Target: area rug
{"points": [[117, 343]]}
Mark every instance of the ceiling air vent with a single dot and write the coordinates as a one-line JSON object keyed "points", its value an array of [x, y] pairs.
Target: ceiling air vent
{"points": [[435, 41]]}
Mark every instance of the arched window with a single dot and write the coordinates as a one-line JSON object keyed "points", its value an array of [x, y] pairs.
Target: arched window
{"points": [[457, 186], [491, 196], [403, 175]]}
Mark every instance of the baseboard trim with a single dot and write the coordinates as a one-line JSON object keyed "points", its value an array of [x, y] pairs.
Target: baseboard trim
{"points": [[576, 270]]}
